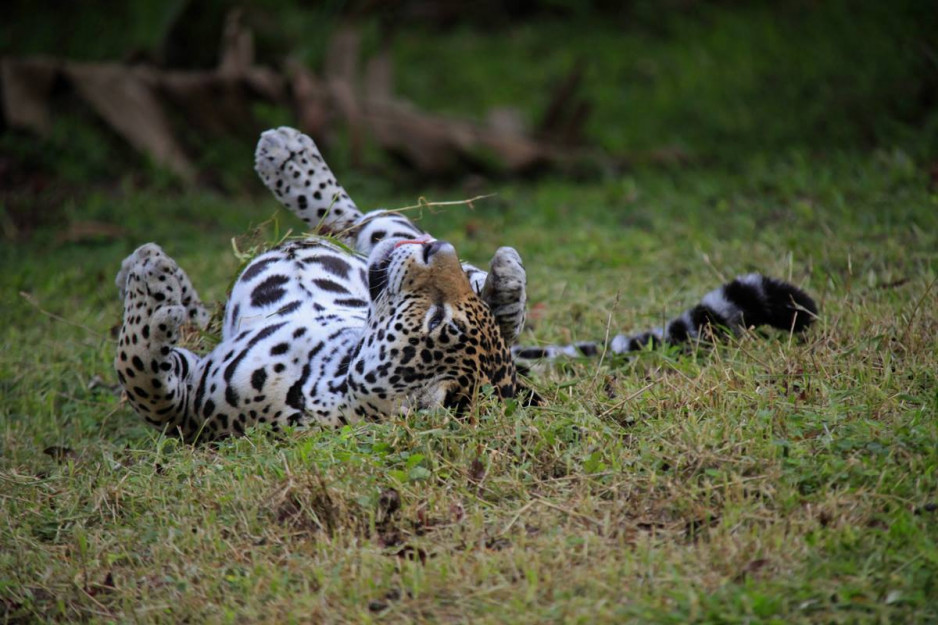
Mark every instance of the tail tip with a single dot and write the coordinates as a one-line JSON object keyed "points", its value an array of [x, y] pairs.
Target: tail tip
{"points": [[790, 308]]}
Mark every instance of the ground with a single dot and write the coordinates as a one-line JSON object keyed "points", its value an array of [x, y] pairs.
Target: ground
{"points": [[775, 479]]}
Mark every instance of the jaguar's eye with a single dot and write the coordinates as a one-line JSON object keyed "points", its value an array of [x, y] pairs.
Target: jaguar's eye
{"points": [[438, 315]]}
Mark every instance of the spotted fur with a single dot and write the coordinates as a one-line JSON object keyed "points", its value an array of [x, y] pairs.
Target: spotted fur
{"points": [[293, 169], [314, 334]]}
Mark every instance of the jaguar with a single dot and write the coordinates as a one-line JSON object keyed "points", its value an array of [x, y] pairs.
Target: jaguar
{"points": [[367, 318]]}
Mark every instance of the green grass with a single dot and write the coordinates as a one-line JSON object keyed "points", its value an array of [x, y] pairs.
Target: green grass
{"points": [[772, 479], [768, 480]]}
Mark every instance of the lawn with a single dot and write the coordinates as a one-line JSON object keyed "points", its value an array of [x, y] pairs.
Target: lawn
{"points": [[775, 478]]}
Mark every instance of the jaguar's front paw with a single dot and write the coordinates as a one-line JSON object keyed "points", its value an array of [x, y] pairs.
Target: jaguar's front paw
{"points": [[505, 292]]}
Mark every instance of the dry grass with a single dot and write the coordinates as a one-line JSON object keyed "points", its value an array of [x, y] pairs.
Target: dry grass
{"points": [[770, 480]]}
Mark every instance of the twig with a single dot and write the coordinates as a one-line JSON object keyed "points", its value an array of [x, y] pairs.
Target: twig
{"points": [[423, 203]]}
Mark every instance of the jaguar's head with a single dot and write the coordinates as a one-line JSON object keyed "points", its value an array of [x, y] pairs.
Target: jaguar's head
{"points": [[430, 340]]}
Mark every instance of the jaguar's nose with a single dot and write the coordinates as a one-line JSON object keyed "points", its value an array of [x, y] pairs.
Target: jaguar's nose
{"points": [[437, 247]]}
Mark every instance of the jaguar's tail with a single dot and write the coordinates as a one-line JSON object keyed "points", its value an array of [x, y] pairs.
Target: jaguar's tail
{"points": [[748, 301]]}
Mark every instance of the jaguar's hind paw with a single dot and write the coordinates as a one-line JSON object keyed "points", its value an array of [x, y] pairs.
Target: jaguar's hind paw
{"points": [[291, 166]]}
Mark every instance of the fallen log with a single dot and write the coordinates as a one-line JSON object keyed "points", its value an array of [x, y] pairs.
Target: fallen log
{"points": [[137, 102]]}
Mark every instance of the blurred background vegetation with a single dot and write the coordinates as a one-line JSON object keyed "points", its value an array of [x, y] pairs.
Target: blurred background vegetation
{"points": [[672, 83]]}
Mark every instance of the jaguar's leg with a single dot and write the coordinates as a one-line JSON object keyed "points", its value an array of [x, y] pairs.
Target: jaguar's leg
{"points": [[504, 290], [291, 166], [156, 375]]}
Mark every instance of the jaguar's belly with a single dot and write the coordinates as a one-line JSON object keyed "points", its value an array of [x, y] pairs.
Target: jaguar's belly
{"points": [[300, 279], [291, 323], [289, 372]]}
